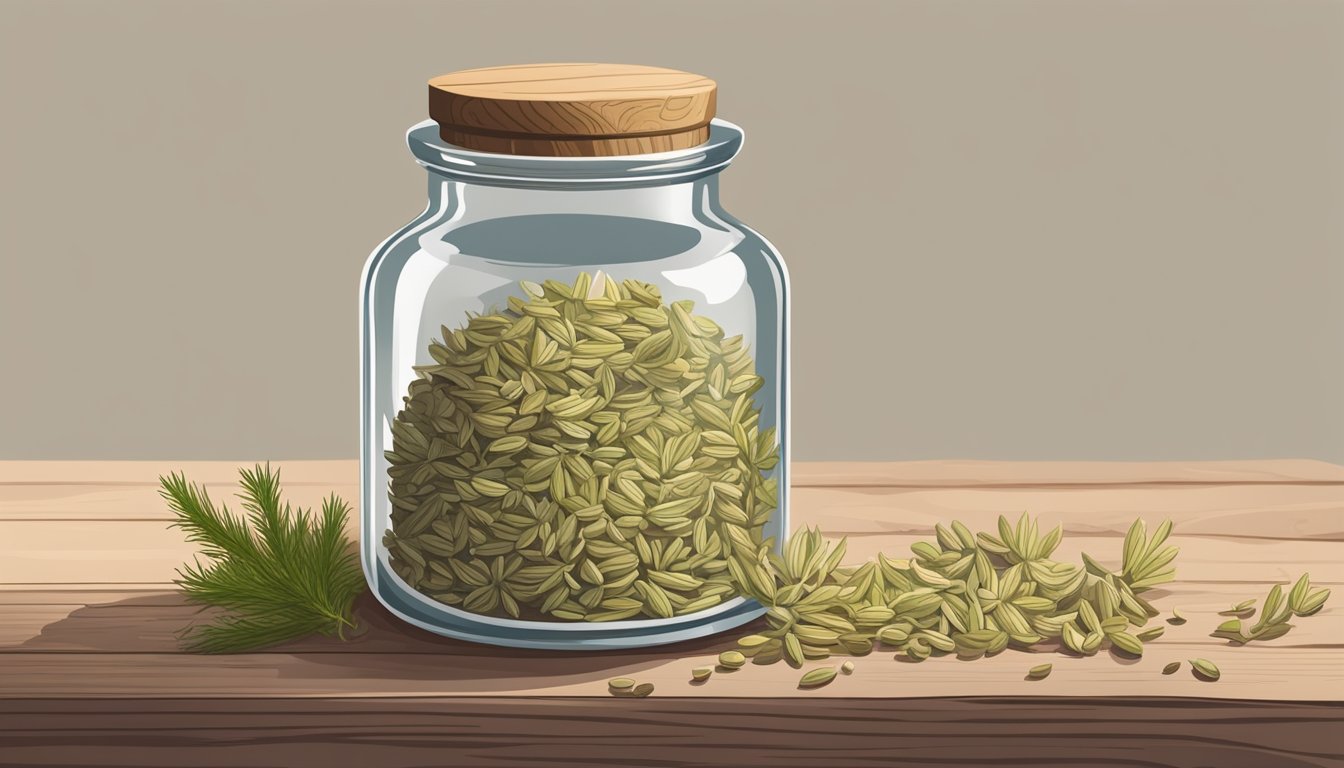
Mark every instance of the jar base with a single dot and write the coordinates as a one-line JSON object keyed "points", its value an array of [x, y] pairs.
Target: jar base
{"points": [[420, 611]]}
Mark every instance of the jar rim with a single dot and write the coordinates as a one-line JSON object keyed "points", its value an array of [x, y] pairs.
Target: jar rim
{"points": [[533, 171]]}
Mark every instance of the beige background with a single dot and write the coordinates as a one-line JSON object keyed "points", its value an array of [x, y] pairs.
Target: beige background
{"points": [[1093, 230]]}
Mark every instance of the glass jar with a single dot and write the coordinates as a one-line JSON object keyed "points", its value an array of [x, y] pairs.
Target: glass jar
{"points": [[574, 398]]}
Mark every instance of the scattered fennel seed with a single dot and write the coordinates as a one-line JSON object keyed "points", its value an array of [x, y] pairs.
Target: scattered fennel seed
{"points": [[732, 660], [1205, 670], [815, 678]]}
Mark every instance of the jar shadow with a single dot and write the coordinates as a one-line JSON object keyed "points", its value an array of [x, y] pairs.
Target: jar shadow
{"points": [[381, 648], [388, 647]]}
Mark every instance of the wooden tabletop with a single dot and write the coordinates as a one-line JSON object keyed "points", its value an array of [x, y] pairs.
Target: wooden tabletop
{"points": [[90, 671]]}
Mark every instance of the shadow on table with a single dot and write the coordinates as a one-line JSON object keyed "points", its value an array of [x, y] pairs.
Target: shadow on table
{"points": [[383, 647]]}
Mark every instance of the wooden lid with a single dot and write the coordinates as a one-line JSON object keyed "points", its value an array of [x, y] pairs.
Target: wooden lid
{"points": [[572, 109]]}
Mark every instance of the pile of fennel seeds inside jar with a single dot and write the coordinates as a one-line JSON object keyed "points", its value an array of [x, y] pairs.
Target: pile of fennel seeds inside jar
{"points": [[589, 453]]}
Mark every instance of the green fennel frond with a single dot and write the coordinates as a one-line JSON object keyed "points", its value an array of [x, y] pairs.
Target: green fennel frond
{"points": [[278, 572]]}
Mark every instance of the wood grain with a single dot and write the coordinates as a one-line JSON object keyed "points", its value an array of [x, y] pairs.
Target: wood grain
{"points": [[805, 474], [114, 531], [148, 621], [1051, 474], [127, 647], [1146, 732], [1265, 673], [126, 552], [572, 109], [1285, 511]]}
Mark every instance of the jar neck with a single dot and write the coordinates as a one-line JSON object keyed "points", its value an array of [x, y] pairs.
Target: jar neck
{"points": [[626, 172], [686, 202]]}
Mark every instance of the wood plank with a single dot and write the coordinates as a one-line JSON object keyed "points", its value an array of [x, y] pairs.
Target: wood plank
{"points": [[128, 648], [118, 586], [1271, 511], [1262, 673], [1151, 732], [805, 474], [967, 474], [72, 597], [35, 553], [1202, 559], [98, 501], [131, 473], [149, 621], [1261, 511]]}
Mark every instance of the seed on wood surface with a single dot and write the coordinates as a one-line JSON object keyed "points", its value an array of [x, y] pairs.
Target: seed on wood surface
{"points": [[732, 659], [815, 678], [1205, 670]]}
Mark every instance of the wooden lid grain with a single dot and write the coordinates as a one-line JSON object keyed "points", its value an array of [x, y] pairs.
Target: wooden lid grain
{"points": [[572, 109]]}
